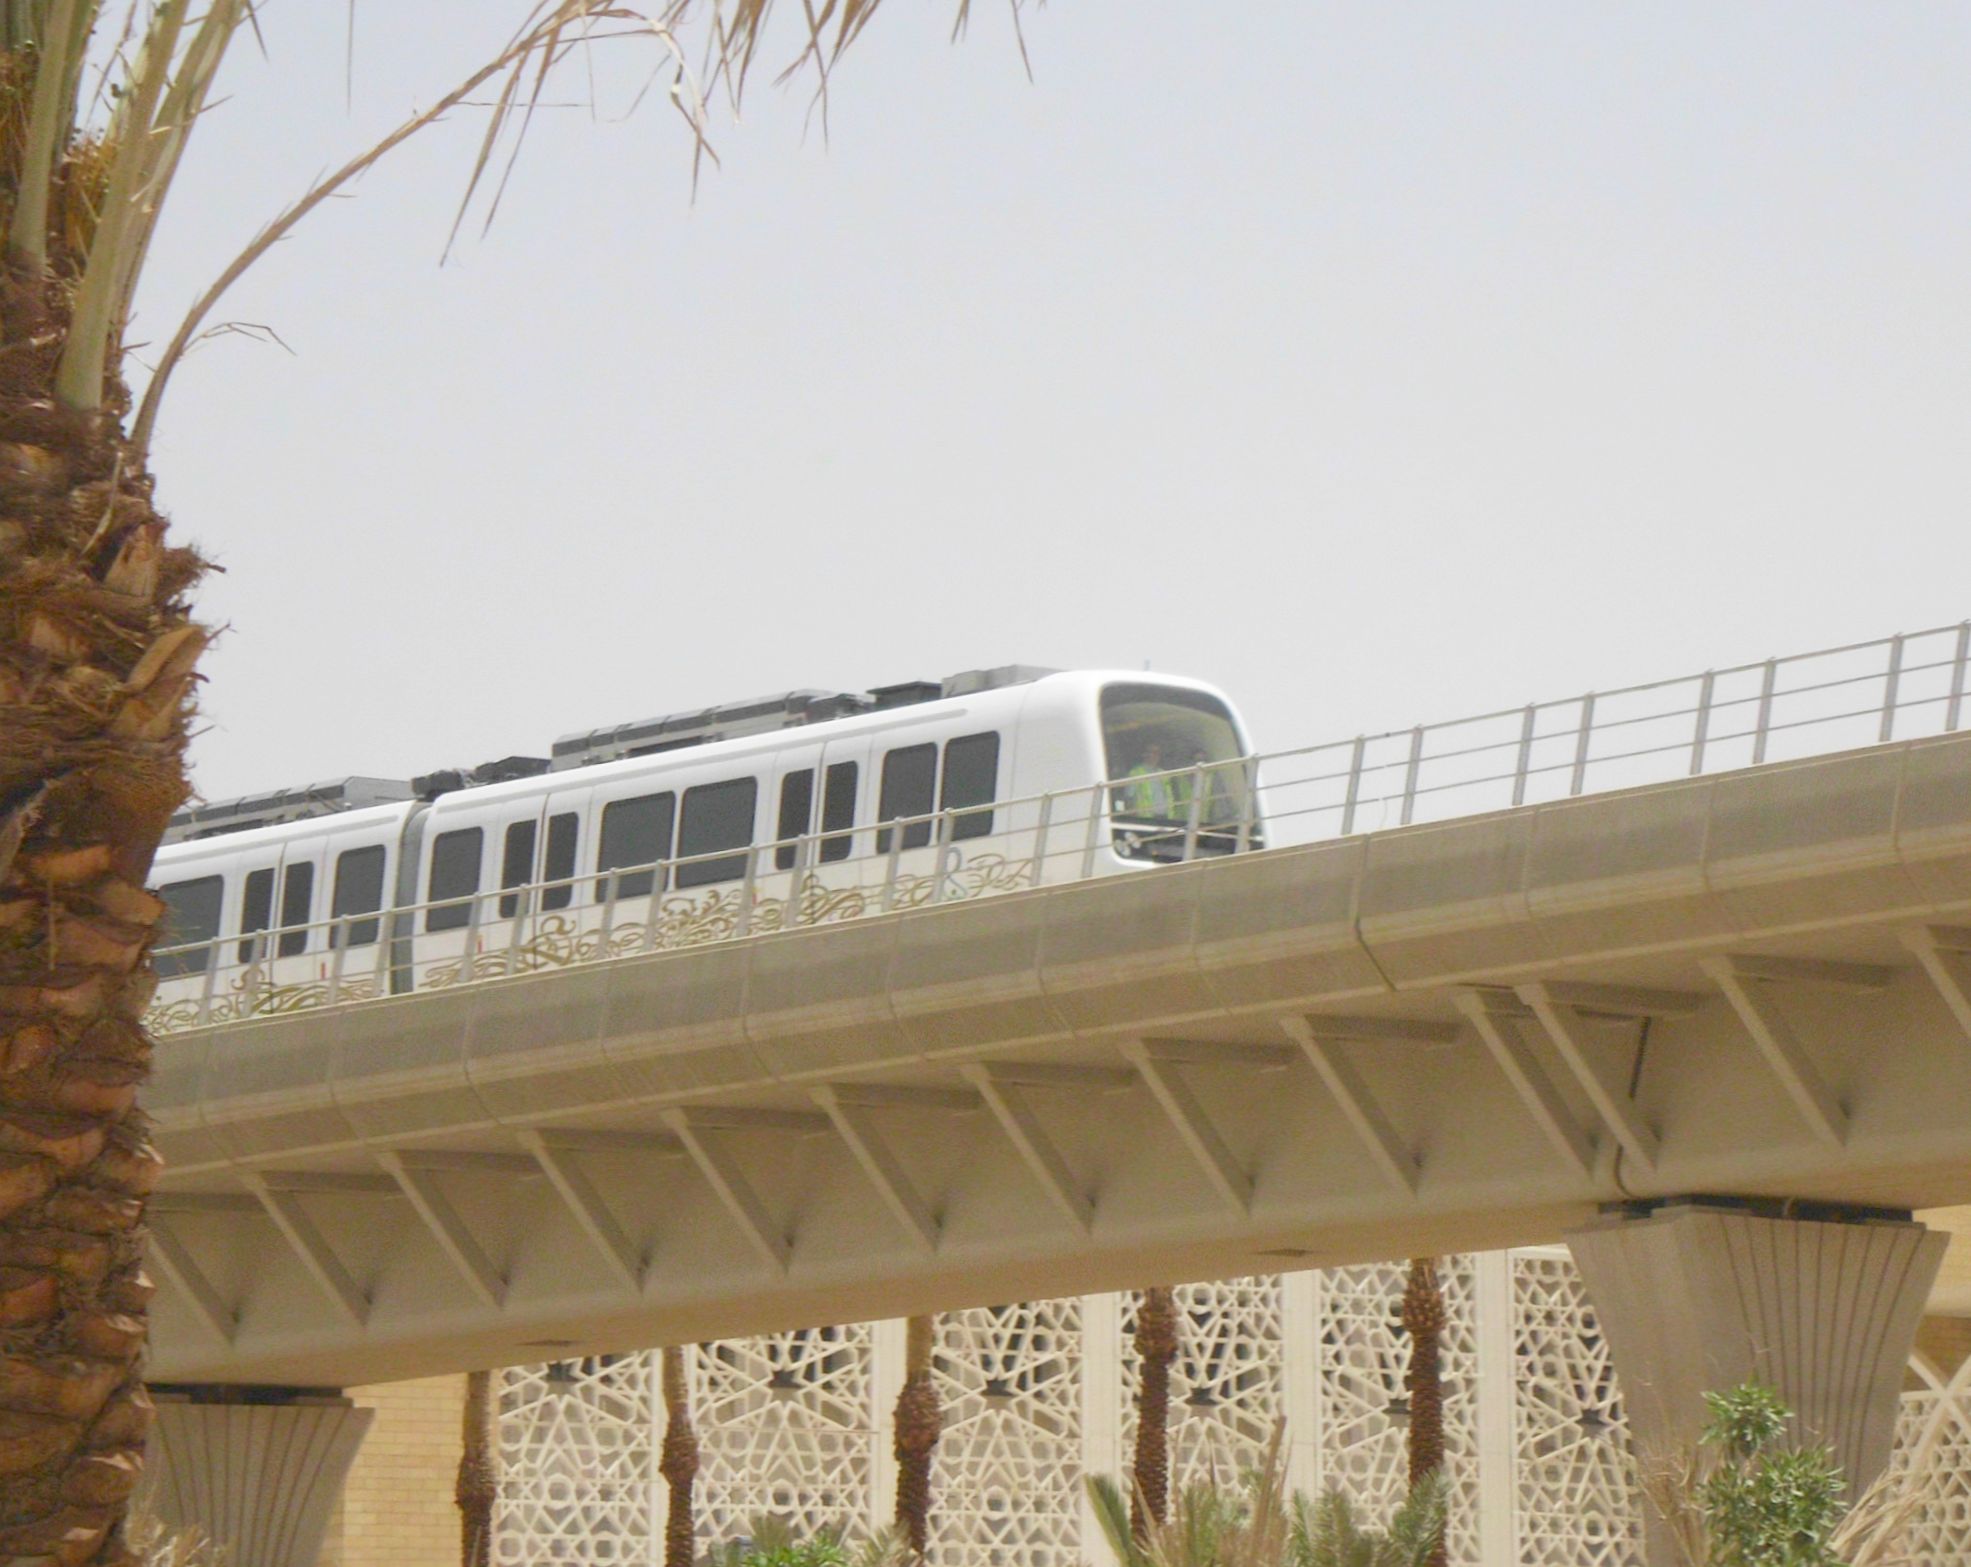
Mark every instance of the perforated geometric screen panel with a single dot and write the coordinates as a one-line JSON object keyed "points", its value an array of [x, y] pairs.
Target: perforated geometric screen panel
{"points": [[789, 1425], [784, 1427], [1363, 1354], [1576, 1501], [1940, 1530], [1009, 1463], [578, 1462]]}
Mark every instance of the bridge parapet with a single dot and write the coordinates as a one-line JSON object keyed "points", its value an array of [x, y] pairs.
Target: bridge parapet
{"points": [[1449, 1037], [1708, 724]]}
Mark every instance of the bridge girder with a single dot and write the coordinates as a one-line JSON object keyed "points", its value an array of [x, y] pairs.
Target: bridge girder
{"points": [[1452, 1037]]}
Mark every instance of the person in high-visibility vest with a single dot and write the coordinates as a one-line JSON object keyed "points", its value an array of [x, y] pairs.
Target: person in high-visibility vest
{"points": [[1143, 794]]}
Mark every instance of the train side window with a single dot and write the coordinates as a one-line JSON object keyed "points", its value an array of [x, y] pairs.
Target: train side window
{"points": [[297, 902], [838, 811], [191, 920], [716, 816], [563, 830], [909, 784], [256, 911], [455, 860], [634, 832], [971, 777], [516, 865], [358, 890], [796, 801]]}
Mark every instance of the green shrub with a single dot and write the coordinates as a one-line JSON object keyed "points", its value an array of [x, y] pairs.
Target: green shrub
{"points": [[1764, 1505]]}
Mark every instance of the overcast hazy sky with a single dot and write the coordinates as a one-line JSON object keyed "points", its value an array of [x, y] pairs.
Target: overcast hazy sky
{"points": [[1379, 361]]}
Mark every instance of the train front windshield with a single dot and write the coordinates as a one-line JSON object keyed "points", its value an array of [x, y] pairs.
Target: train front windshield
{"points": [[1166, 748]]}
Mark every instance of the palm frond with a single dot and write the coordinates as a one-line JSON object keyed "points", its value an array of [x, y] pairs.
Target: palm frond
{"points": [[60, 34], [1112, 1518]]}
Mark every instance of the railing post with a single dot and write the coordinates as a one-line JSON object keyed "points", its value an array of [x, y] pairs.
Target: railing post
{"points": [[661, 879], [211, 979], [796, 905], [338, 950], [1955, 706], [1192, 815], [1762, 728], [1095, 798], [259, 952], [1891, 681], [468, 958], [609, 905], [1705, 689], [1523, 762], [744, 925], [890, 869], [1354, 791], [941, 844], [1579, 780], [1040, 837], [1410, 772], [1249, 803]]}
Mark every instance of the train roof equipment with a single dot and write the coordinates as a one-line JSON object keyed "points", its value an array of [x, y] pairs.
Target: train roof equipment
{"points": [[277, 806], [613, 742]]}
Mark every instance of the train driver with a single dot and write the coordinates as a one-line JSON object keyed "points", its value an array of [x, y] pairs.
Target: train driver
{"points": [[1145, 794]]}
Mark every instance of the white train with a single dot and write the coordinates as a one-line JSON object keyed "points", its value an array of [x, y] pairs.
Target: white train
{"points": [[798, 809]]}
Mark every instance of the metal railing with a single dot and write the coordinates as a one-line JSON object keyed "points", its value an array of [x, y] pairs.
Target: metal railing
{"points": [[1833, 699]]}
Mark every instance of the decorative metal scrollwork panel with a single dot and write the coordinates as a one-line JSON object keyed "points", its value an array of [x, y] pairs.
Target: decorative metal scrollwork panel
{"points": [[577, 1464], [1010, 1461]]}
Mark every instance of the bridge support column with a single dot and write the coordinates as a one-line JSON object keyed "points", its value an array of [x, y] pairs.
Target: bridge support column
{"points": [[259, 1469], [1698, 1297]]}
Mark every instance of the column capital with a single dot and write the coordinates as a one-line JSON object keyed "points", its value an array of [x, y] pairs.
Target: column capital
{"points": [[259, 1470], [1700, 1297]]}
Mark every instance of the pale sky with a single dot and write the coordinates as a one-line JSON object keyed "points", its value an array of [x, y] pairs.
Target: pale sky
{"points": [[1381, 362]]}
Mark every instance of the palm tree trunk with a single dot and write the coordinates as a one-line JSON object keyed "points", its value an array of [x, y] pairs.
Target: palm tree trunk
{"points": [[678, 1463], [1156, 1348], [1423, 1321], [96, 655], [918, 1422], [477, 1489]]}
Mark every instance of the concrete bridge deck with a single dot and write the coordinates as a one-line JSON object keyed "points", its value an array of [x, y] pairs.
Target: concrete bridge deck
{"points": [[1447, 1037]]}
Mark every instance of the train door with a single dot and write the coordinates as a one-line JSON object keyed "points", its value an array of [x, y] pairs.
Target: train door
{"points": [[842, 878], [905, 781], [449, 912], [355, 877], [515, 849], [789, 856], [531, 849], [633, 829], [260, 914]]}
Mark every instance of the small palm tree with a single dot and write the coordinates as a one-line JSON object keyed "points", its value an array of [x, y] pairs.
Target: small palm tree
{"points": [[1423, 1320], [678, 1460], [1327, 1533], [1156, 1348], [476, 1490], [919, 1421], [1253, 1524]]}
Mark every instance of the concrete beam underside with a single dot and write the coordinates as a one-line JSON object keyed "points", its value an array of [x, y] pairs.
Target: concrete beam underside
{"points": [[1456, 1037]]}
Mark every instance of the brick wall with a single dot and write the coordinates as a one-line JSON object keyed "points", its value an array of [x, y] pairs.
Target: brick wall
{"points": [[397, 1509]]}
